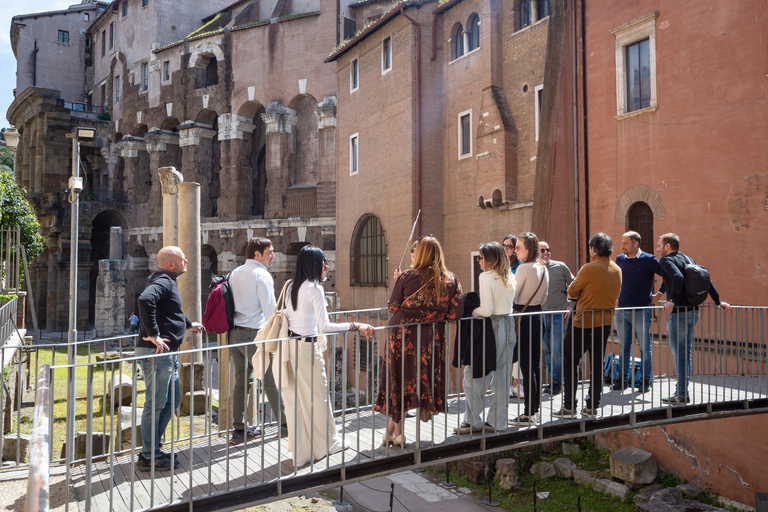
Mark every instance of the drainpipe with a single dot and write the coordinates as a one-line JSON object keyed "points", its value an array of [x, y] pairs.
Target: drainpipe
{"points": [[434, 37], [584, 106], [418, 103]]}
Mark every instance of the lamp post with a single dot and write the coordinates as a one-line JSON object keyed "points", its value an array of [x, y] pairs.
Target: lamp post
{"points": [[75, 187]]}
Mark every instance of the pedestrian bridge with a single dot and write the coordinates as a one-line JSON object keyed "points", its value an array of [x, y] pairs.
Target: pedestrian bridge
{"points": [[728, 378]]}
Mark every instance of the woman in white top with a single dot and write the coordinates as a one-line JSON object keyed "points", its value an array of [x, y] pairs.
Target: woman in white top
{"points": [[532, 285], [312, 432], [497, 294]]}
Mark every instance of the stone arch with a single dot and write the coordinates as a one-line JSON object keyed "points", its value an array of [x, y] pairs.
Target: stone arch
{"points": [[170, 124], [254, 155], [201, 55], [207, 161], [250, 108], [140, 130], [637, 193], [206, 116]]}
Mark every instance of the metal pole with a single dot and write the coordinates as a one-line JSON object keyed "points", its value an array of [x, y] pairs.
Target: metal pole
{"points": [[72, 337]]}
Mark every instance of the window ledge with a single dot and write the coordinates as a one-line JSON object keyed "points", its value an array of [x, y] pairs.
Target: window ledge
{"points": [[466, 55], [636, 113]]}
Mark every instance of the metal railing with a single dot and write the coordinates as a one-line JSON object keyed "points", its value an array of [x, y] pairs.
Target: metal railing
{"points": [[727, 377], [85, 107], [38, 488], [8, 311]]}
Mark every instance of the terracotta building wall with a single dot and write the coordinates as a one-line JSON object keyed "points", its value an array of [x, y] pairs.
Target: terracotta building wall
{"points": [[700, 153], [383, 114]]}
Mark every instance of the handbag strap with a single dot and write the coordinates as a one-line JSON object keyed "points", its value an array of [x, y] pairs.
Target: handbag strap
{"points": [[417, 291], [281, 300]]}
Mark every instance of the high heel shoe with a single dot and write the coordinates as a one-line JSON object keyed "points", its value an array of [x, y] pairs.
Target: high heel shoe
{"points": [[399, 441], [386, 440]]}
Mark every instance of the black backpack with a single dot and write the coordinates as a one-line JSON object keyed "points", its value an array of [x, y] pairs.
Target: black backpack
{"points": [[697, 282], [219, 316]]}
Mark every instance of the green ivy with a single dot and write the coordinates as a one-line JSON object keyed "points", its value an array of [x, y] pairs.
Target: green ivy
{"points": [[15, 210]]}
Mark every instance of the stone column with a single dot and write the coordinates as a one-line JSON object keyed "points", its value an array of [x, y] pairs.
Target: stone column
{"points": [[163, 149], [196, 141], [190, 283], [236, 195], [138, 182], [115, 243], [280, 123], [326, 173], [170, 179]]}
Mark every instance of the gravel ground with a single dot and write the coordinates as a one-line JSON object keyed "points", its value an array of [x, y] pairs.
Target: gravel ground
{"points": [[13, 495]]}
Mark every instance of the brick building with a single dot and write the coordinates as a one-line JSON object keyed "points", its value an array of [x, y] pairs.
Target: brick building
{"points": [[438, 109], [237, 99]]}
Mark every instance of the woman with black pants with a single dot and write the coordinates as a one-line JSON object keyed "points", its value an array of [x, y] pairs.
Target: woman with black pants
{"points": [[532, 284]]}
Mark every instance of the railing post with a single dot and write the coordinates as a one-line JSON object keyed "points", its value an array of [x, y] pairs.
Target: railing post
{"points": [[38, 484]]}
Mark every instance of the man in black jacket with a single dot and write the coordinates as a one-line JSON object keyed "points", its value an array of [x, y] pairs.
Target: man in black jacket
{"points": [[162, 327], [682, 316]]}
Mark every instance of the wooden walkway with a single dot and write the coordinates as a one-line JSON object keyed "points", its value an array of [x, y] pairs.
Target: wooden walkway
{"points": [[122, 488]]}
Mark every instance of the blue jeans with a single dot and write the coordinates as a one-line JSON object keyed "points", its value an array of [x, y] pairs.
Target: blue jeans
{"points": [[680, 326], [161, 377], [553, 345], [631, 323]]}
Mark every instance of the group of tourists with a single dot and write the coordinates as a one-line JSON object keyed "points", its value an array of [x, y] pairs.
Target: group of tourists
{"points": [[518, 276]]}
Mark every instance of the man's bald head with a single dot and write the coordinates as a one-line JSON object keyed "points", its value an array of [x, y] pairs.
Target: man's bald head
{"points": [[172, 258]]}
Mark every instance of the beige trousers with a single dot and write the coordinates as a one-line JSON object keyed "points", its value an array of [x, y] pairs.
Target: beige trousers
{"points": [[312, 432]]}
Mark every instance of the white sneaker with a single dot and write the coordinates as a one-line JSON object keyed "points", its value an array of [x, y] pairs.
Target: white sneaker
{"points": [[517, 391]]}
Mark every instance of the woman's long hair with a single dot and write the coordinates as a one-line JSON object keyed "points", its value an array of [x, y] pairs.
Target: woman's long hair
{"points": [[531, 243], [309, 267], [496, 260], [429, 258]]}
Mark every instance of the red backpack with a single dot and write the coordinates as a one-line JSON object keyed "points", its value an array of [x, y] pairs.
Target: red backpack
{"points": [[219, 316]]}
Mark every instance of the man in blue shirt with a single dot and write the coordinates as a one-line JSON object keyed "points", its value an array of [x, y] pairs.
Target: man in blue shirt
{"points": [[638, 271], [253, 291]]}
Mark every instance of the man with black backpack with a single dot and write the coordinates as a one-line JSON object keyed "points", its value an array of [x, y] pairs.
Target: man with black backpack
{"points": [[253, 292], [687, 285]]}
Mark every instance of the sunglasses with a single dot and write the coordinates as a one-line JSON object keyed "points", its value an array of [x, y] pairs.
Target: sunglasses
{"points": [[479, 258], [542, 251], [509, 246]]}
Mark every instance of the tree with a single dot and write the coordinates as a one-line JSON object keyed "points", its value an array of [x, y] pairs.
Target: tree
{"points": [[6, 158], [15, 210]]}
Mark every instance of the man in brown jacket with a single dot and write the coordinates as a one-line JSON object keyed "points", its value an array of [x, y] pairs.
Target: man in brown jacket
{"points": [[597, 287]]}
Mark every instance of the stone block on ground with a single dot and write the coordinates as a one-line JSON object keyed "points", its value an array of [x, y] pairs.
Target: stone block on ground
{"points": [[606, 473], [655, 507], [612, 488], [571, 449], [564, 467], [198, 402], [474, 471], [186, 374], [506, 471], [543, 470], [100, 444], [111, 355], [692, 492], [12, 442], [582, 477], [669, 496], [695, 506], [643, 497], [125, 426], [119, 391], [633, 465], [651, 488]]}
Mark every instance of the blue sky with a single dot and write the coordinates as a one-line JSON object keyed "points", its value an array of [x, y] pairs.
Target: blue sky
{"points": [[8, 10]]}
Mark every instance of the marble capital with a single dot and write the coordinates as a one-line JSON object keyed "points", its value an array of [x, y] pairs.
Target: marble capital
{"points": [[191, 133], [169, 180], [233, 126], [158, 140], [130, 146], [326, 113]]}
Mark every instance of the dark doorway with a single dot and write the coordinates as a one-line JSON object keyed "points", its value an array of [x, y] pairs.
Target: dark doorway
{"points": [[640, 219]]}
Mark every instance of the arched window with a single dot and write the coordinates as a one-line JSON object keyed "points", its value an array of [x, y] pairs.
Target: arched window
{"points": [[457, 40], [525, 13], [473, 32], [368, 254], [640, 219]]}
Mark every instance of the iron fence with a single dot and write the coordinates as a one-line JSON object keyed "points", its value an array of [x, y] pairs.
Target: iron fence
{"points": [[348, 419]]}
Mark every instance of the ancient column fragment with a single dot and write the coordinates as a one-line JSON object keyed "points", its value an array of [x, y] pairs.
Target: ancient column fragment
{"points": [[170, 179], [189, 283], [115, 243]]}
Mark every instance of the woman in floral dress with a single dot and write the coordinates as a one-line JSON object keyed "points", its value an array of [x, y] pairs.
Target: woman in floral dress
{"points": [[427, 293]]}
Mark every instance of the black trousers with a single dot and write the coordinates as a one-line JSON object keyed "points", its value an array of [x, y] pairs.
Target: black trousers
{"points": [[530, 355], [576, 342]]}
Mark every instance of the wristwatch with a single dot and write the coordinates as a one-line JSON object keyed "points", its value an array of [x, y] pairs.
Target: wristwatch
{"points": [[353, 326]]}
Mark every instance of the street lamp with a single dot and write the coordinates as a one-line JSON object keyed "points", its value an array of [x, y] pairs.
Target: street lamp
{"points": [[75, 187], [11, 136]]}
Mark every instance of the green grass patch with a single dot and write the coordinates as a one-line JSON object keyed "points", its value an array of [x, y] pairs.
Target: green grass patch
{"points": [[102, 419]]}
